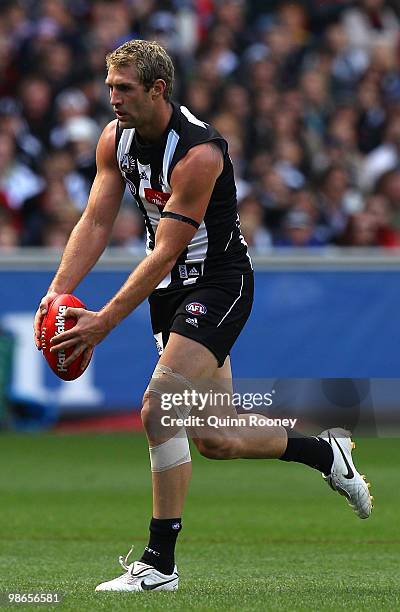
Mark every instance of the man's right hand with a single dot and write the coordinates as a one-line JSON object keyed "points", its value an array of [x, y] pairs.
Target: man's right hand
{"points": [[39, 316]]}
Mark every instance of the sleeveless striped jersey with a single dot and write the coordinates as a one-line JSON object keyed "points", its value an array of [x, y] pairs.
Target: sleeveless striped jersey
{"points": [[218, 248]]}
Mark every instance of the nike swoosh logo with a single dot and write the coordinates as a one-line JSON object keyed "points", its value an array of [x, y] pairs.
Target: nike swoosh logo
{"points": [[150, 587], [350, 473], [146, 569]]}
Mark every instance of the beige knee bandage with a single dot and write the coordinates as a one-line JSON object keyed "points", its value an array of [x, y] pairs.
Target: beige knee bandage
{"points": [[164, 379], [174, 451], [171, 453]]}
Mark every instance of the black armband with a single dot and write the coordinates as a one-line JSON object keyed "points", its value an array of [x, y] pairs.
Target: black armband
{"points": [[171, 215]]}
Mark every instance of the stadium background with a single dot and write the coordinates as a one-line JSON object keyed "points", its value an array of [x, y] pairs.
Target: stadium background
{"points": [[308, 96]]}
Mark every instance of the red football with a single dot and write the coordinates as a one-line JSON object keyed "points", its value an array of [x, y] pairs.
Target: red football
{"points": [[54, 323]]}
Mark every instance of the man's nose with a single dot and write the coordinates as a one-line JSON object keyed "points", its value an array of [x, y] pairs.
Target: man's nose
{"points": [[115, 98]]}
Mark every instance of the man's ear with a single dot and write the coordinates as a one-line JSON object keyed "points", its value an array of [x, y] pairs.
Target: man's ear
{"points": [[158, 88]]}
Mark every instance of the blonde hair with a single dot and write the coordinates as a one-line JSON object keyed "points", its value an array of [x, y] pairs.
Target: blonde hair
{"points": [[150, 60]]}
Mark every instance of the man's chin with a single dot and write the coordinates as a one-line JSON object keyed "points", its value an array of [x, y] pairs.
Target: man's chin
{"points": [[125, 123]]}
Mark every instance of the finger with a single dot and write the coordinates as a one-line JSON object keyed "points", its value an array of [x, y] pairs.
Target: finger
{"points": [[36, 335], [64, 345], [86, 358], [37, 325], [38, 320], [70, 334], [44, 305], [78, 351], [73, 312]]}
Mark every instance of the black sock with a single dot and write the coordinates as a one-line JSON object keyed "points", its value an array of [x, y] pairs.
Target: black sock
{"points": [[310, 450], [160, 551]]}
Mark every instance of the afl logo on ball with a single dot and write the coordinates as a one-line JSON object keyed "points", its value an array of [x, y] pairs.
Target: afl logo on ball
{"points": [[196, 308]]}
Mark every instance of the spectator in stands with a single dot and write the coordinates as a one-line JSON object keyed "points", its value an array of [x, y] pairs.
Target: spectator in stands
{"points": [[305, 200], [385, 157], [68, 104], [52, 206], [361, 231], [8, 237], [341, 143], [233, 131], [275, 197], [236, 98], [82, 134], [251, 214], [128, 230], [317, 103], [379, 208], [298, 230], [294, 17], [348, 63], [232, 15], [56, 66], [36, 99], [199, 98], [261, 126], [290, 162], [29, 149], [336, 200], [370, 24], [56, 234], [389, 186], [9, 234], [371, 116], [17, 181], [111, 23]]}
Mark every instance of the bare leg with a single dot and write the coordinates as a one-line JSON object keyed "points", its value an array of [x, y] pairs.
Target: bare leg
{"points": [[170, 486], [169, 491], [196, 363], [244, 442]]}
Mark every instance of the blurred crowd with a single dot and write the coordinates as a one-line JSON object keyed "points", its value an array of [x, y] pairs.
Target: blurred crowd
{"points": [[306, 93]]}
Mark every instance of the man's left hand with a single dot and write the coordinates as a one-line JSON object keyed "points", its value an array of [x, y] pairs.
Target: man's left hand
{"points": [[89, 330]]}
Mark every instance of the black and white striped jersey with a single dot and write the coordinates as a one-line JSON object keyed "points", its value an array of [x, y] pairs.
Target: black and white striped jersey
{"points": [[218, 248]]}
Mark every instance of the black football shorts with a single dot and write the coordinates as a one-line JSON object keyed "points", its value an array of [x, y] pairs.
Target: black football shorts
{"points": [[212, 313]]}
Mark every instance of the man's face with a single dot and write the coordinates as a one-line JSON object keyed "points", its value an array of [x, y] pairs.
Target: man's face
{"points": [[131, 103]]}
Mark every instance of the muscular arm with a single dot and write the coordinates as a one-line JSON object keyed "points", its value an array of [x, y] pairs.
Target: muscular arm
{"points": [[192, 183], [91, 234]]}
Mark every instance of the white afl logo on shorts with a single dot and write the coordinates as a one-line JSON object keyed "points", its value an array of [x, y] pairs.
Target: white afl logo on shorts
{"points": [[196, 308]]}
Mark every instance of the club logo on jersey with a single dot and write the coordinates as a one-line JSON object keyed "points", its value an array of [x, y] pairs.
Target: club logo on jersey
{"points": [[183, 271], [143, 176], [159, 198], [196, 308], [128, 163]]}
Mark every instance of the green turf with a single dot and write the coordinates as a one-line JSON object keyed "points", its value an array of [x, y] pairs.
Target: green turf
{"points": [[257, 535]]}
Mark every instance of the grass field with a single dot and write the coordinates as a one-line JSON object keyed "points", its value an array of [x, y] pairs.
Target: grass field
{"points": [[257, 535]]}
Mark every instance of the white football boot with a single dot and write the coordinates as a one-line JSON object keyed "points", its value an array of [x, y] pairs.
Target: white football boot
{"points": [[140, 577], [344, 477]]}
